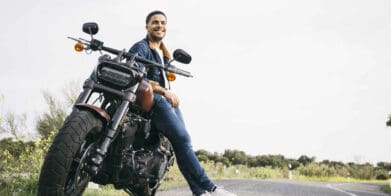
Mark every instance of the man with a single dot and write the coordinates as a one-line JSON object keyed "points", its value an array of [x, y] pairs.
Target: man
{"points": [[166, 116]]}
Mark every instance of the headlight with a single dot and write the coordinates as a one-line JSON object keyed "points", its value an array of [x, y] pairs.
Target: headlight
{"points": [[116, 76]]}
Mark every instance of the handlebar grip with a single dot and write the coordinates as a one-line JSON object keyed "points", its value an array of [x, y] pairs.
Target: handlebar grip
{"points": [[179, 71]]}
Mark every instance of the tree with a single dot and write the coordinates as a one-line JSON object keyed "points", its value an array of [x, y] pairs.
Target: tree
{"points": [[263, 161], [223, 160], [278, 161], [71, 92], [305, 160], [384, 165], [202, 155], [252, 161], [236, 157], [12, 125], [275, 161], [53, 119], [294, 163]]}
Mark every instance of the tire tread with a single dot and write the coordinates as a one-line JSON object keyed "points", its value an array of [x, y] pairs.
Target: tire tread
{"points": [[64, 147]]}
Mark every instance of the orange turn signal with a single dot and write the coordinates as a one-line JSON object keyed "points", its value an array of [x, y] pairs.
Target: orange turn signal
{"points": [[171, 76], [79, 47]]}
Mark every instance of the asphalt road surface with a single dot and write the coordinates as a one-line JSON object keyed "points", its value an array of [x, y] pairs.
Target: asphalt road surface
{"points": [[287, 188]]}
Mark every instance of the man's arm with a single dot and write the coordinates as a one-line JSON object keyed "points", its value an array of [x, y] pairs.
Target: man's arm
{"points": [[171, 97], [140, 49]]}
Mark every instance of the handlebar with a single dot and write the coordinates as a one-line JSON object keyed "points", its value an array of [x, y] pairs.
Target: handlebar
{"points": [[98, 45], [169, 68], [178, 71]]}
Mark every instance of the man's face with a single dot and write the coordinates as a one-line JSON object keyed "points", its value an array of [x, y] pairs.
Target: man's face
{"points": [[156, 27]]}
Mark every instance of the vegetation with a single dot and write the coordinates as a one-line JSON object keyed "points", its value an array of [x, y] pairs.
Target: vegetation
{"points": [[304, 165], [386, 189], [20, 164], [52, 120], [21, 161]]}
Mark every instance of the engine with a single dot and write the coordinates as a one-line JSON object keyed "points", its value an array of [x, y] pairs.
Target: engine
{"points": [[137, 156]]}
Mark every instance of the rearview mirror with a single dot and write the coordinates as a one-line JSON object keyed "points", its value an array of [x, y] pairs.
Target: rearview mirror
{"points": [[90, 28], [182, 56]]}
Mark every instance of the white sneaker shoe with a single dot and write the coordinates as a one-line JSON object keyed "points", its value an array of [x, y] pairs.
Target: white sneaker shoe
{"points": [[220, 191], [205, 194]]}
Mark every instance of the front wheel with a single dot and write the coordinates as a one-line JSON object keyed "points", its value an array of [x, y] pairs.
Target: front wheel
{"points": [[63, 171]]}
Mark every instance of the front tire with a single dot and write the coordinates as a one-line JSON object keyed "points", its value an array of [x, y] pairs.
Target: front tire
{"points": [[63, 170]]}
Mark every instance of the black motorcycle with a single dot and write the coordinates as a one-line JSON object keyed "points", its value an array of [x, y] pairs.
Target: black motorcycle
{"points": [[107, 139]]}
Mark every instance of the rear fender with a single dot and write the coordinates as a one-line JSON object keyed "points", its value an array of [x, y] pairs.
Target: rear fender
{"points": [[98, 111]]}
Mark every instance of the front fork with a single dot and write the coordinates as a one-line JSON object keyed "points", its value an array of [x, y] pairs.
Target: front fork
{"points": [[111, 131], [101, 151]]}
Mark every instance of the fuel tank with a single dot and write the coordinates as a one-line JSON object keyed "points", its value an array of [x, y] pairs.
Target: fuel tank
{"points": [[144, 96]]}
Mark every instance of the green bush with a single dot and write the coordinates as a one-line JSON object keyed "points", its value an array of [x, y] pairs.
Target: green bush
{"points": [[20, 173], [386, 189], [320, 170]]}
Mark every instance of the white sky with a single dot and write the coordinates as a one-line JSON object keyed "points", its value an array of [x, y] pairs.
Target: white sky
{"points": [[272, 77]]}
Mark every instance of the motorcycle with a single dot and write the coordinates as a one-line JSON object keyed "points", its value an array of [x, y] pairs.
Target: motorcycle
{"points": [[107, 138]]}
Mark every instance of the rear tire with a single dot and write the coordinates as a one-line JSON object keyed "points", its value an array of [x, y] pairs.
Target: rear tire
{"points": [[62, 172]]}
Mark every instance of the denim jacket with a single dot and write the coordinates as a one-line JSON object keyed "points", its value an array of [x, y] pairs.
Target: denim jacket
{"points": [[145, 49]]}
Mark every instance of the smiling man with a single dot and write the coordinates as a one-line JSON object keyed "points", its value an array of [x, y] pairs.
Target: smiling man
{"points": [[165, 115]]}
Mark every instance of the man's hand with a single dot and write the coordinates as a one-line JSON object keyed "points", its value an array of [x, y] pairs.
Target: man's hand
{"points": [[172, 98]]}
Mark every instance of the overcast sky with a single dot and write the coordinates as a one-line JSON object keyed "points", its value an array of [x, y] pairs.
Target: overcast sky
{"points": [[271, 77]]}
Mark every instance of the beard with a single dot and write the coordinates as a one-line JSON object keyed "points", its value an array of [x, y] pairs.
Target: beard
{"points": [[155, 38]]}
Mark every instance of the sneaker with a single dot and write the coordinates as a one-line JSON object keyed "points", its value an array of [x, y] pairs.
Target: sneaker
{"points": [[220, 191], [205, 194]]}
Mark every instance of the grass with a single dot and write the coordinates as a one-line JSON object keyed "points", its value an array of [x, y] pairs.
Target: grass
{"points": [[218, 171], [336, 179], [173, 179], [386, 189]]}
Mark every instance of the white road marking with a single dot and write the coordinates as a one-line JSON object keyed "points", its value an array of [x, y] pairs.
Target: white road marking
{"points": [[358, 191], [340, 190]]}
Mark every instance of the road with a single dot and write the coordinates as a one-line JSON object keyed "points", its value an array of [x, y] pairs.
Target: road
{"points": [[287, 188]]}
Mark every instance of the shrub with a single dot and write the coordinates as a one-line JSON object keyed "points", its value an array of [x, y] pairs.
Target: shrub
{"points": [[21, 173]]}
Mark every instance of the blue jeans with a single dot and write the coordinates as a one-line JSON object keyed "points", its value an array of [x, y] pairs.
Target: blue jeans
{"points": [[169, 121]]}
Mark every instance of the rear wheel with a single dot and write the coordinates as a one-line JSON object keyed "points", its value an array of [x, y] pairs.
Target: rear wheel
{"points": [[63, 171]]}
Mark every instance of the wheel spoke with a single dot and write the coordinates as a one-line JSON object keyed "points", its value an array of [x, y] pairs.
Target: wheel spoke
{"points": [[79, 178]]}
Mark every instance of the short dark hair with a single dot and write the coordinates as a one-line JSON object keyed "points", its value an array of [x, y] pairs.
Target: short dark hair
{"points": [[152, 14]]}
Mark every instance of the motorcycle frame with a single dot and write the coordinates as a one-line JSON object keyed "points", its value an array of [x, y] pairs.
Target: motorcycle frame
{"points": [[91, 85]]}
